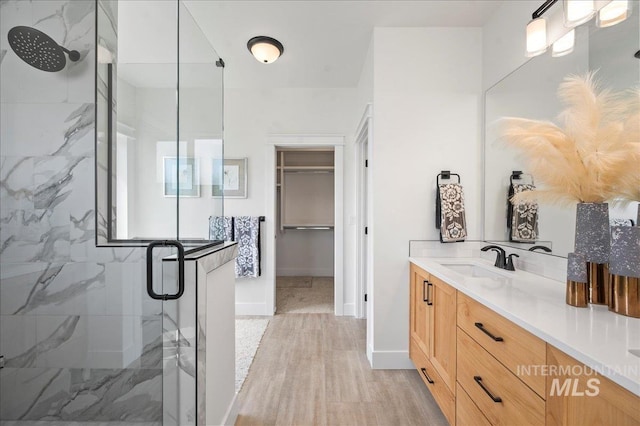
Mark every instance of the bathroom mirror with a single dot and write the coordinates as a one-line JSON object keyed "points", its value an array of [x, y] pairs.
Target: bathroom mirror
{"points": [[159, 141], [530, 92]]}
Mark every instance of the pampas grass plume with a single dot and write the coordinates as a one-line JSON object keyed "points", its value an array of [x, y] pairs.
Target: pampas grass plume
{"points": [[594, 157]]}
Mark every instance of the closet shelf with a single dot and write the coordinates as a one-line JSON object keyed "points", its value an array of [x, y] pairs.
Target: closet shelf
{"points": [[305, 168]]}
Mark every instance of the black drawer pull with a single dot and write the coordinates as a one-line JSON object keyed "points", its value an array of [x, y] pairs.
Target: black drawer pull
{"points": [[425, 293], [497, 339], [426, 376], [478, 380], [429, 293]]}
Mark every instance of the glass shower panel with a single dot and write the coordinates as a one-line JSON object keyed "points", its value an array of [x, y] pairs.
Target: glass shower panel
{"points": [[148, 176], [200, 127]]}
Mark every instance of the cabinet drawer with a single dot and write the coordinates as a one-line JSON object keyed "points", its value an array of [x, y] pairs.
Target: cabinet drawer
{"points": [[441, 393], [513, 346], [498, 393], [599, 402], [467, 413]]}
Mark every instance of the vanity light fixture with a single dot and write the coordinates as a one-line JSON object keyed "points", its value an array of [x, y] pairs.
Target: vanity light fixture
{"points": [[265, 49], [564, 45], [577, 12], [542, 32], [536, 37], [613, 13]]}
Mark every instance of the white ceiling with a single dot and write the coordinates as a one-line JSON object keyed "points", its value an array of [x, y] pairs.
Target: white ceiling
{"points": [[325, 42]]}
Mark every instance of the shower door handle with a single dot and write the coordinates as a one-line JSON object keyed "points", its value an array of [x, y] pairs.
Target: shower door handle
{"points": [[165, 243]]}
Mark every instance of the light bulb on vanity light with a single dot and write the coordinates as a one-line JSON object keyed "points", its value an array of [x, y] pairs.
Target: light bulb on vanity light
{"points": [[577, 12], [564, 45], [536, 37], [613, 13]]}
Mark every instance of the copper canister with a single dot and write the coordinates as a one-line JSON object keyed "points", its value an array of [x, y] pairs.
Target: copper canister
{"points": [[599, 284], [625, 296]]}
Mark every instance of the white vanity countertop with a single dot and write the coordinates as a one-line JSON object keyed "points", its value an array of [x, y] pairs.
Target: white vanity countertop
{"points": [[594, 336]]}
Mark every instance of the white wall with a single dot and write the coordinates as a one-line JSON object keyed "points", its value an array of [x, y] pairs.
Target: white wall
{"points": [[250, 116], [503, 40], [427, 111], [304, 253]]}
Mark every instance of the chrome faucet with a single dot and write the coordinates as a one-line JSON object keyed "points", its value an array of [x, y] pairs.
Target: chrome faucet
{"points": [[501, 260]]}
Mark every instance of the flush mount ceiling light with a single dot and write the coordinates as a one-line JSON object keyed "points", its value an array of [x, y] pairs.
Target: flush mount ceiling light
{"points": [[265, 49], [560, 33]]}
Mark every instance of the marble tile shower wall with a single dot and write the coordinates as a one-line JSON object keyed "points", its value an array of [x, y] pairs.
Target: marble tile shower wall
{"points": [[80, 338]]}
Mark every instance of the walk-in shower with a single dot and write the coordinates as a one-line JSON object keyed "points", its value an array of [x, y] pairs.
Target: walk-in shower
{"points": [[97, 159]]}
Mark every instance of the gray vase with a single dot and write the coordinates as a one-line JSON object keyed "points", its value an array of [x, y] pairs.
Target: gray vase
{"points": [[593, 241], [577, 293], [592, 231], [625, 251]]}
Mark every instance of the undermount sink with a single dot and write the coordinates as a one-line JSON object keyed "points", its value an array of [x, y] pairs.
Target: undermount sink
{"points": [[473, 270]]}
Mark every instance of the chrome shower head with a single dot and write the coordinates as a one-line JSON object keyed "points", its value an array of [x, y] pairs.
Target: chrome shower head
{"points": [[38, 49]]}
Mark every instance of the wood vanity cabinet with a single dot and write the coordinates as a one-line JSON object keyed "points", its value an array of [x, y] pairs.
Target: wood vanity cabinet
{"points": [[474, 361], [432, 345], [575, 400]]}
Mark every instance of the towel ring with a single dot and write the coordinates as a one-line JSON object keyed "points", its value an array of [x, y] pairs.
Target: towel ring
{"points": [[517, 175], [446, 174]]}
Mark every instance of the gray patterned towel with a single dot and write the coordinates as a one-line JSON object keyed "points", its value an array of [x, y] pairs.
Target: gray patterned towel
{"points": [[453, 225], [247, 230], [524, 216], [220, 228]]}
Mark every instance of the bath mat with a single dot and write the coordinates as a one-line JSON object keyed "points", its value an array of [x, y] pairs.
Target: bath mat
{"points": [[249, 333]]}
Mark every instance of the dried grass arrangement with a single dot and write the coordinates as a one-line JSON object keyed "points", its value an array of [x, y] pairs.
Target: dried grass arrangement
{"points": [[594, 157]]}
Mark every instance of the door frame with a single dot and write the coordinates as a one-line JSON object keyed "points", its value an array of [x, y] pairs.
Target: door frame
{"points": [[364, 243], [304, 141]]}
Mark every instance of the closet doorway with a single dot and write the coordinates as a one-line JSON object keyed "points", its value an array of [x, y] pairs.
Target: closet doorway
{"points": [[306, 266], [305, 237]]}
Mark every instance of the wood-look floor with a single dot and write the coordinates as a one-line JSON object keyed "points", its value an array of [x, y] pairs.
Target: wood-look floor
{"points": [[311, 369]]}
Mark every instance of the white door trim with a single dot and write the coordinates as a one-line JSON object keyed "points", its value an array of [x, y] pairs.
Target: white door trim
{"points": [[305, 141], [364, 139]]}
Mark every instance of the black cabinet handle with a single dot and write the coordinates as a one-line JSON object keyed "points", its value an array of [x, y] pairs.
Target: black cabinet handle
{"points": [[495, 338], [150, 291], [426, 376], [429, 293], [478, 380], [425, 295]]}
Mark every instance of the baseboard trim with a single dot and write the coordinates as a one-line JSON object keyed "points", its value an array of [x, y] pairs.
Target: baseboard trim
{"points": [[232, 413], [349, 310], [252, 309], [391, 360]]}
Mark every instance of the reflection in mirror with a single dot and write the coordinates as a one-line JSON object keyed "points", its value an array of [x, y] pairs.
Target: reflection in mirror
{"points": [[160, 143], [530, 92]]}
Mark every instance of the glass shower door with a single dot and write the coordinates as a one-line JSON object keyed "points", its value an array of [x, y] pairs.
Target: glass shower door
{"points": [[162, 160]]}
